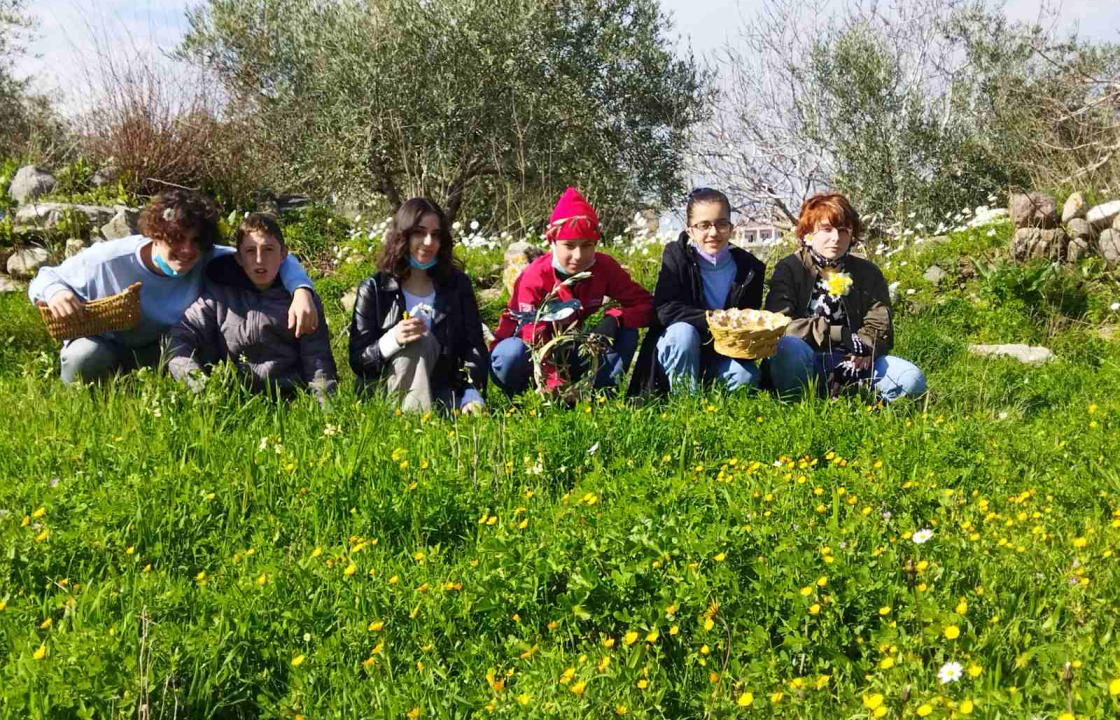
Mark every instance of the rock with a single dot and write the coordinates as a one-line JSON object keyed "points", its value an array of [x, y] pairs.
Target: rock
{"points": [[522, 252], [5, 253], [1075, 207], [288, 203], [7, 285], [48, 216], [1109, 245], [1103, 215], [1116, 223], [75, 246], [488, 295], [1078, 249], [934, 274], [24, 263], [1033, 210], [1027, 354], [1080, 228], [517, 256], [107, 174], [122, 225], [1030, 243], [347, 301], [29, 183]]}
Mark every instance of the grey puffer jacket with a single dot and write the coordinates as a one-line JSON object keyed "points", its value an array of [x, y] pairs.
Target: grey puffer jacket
{"points": [[234, 320]]}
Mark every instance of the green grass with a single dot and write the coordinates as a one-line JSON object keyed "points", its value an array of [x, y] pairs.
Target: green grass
{"points": [[188, 550]]}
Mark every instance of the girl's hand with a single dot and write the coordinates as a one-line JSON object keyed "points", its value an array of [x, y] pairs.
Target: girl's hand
{"points": [[473, 408], [303, 316], [66, 304], [409, 329], [860, 362]]}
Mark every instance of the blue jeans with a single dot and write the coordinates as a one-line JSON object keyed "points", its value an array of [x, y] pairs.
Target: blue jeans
{"points": [[90, 359], [511, 363], [682, 357], [795, 365]]}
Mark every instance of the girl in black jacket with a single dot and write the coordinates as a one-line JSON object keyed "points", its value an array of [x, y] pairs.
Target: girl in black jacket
{"points": [[416, 323], [700, 271]]}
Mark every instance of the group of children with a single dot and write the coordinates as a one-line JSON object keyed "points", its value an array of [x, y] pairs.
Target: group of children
{"points": [[416, 330]]}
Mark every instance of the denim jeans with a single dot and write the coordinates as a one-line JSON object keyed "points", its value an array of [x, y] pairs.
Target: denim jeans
{"points": [[511, 363], [795, 365], [687, 363]]}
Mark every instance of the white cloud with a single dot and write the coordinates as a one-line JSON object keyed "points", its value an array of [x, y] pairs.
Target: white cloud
{"points": [[72, 33]]}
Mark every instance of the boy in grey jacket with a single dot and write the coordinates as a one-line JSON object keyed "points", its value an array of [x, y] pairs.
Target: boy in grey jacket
{"points": [[242, 316]]}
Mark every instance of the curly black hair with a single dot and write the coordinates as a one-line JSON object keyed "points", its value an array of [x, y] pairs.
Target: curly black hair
{"points": [[175, 213]]}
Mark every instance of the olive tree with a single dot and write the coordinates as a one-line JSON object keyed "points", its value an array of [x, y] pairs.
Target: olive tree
{"points": [[913, 107], [491, 104]]}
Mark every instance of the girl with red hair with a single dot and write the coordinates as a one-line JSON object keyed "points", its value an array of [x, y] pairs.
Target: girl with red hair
{"points": [[841, 332]]}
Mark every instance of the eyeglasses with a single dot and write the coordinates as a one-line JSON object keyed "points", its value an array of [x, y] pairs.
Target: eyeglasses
{"points": [[721, 226]]}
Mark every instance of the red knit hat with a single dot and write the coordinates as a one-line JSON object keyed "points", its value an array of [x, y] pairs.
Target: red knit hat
{"points": [[573, 218]]}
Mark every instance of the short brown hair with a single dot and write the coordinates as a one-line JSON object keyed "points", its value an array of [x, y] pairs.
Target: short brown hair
{"points": [[394, 257], [175, 213], [260, 223], [833, 207]]}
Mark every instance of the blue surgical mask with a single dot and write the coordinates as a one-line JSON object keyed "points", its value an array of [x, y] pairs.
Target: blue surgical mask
{"points": [[422, 266], [162, 265]]}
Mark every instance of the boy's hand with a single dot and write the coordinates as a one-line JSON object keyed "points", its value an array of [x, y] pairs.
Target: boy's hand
{"points": [[409, 329], [66, 304], [303, 316]]}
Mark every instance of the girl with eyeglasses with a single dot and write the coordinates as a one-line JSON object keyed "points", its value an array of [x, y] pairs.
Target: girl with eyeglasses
{"points": [[700, 271], [416, 326], [841, 331]]}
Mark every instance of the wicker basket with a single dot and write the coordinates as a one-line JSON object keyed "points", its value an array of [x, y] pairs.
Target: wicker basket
{"points": [[107, 314], [754, 338]]}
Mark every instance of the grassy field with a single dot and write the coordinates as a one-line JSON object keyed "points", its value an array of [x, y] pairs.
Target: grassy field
{"points": [[166, 555]]}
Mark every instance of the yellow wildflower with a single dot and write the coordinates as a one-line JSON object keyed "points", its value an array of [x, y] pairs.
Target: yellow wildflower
{"points": [[297, 661], [746, 699], [40, 653], [952, 632], [965, 707]]}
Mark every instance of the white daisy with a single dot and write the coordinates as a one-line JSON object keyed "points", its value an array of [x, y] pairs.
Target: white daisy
{"points": [[921, 536], [949, 672]]}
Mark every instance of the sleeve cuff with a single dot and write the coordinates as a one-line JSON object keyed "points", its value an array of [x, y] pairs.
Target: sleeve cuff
{"points": [[388, 345], [53, 289], [470, 395]]}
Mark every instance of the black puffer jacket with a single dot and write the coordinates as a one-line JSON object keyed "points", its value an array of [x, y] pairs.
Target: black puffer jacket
{"points": [[679, 297], [456, 325]]}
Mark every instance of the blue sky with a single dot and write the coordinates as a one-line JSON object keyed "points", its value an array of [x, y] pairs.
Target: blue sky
{"points": [[68, 29]]}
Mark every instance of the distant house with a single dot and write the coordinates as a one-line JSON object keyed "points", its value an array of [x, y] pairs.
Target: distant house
{"points": [[754, 231]]}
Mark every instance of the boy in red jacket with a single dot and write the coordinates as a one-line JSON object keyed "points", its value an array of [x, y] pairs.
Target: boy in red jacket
{"points": [[573, 233]]}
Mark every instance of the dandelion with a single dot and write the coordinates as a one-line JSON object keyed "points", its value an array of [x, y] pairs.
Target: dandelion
{"points": [[924, 709], [46, 624], [952, 632], [886, 663], [920, 537], [415, 711], [620, 710], [297, 661], [872, 701], [885, 610], [950, 672], [40, 653], [815, 609], [652, 636], [746, 699], [974, 671], [719, 557], [1114, 687], [630, 638], [350, 570], [578, 687], [965, 707]]}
